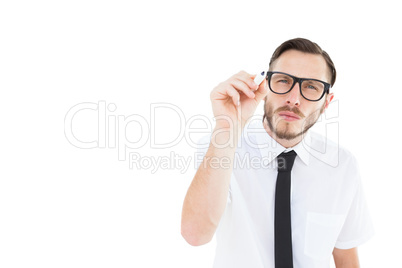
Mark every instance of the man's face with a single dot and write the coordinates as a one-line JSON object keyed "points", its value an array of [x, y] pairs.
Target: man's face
{"points": [[288, 116]]}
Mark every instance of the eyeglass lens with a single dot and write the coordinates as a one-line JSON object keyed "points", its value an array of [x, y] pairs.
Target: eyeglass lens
{"points": [[310, 89]]}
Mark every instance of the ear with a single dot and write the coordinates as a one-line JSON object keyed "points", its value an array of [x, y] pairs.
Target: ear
{"points": [[328, 99]]}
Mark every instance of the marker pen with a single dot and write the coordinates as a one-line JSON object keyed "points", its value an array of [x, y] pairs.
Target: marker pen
{"points": [[259, 78]]}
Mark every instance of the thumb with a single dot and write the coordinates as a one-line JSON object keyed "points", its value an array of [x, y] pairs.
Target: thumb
{"points": [[261, 92]]}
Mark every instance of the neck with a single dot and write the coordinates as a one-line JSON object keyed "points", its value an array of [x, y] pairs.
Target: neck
{"points": [[284, 142]]}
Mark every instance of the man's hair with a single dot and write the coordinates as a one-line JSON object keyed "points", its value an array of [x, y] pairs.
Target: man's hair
{"points": [[304, 45]]}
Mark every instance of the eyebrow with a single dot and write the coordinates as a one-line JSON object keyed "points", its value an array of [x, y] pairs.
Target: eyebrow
{"points": [[304, 78]]}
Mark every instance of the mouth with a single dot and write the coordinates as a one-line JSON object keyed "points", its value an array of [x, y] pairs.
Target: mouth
{"points": [[289, 116]]}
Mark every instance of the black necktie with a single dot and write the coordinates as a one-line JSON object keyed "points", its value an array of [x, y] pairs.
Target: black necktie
{"points": [[283, 227]]}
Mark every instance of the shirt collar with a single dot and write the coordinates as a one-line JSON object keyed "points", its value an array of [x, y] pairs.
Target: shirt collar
{"points": [[303, 148], [270, 148]]}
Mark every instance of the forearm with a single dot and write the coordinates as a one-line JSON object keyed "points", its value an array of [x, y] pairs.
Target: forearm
{"points": [[233, 102], [207, 195], [346, 258]]}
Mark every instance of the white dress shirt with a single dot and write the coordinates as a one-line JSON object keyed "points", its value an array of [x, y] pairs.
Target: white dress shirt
{"points": [[328, 207]]}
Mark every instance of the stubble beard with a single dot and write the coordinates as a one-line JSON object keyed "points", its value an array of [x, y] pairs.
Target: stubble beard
{"points": [[286, 132]]}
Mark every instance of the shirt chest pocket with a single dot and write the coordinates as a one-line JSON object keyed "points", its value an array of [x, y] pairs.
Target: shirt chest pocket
{"points": [[322, 231]]}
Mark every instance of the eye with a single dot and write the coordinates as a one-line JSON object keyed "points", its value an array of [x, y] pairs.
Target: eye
{"points": [[312, 85], [283, 81]]}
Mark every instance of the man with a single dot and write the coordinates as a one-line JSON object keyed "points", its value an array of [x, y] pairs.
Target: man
{"points": [[297, 215]]}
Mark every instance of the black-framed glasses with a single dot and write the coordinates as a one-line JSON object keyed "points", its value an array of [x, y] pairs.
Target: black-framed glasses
{"points": [[310, 89]]}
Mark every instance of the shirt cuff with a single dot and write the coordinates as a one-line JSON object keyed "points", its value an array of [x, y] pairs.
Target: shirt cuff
{"points": [[354, 243]]}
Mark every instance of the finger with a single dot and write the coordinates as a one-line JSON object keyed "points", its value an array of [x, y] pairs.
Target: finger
{"points": [[242, 87], [248, 79], [262, 91], [234, 94]]}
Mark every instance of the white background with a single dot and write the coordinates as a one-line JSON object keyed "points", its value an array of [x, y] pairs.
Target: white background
{"points": [[63, 206]]}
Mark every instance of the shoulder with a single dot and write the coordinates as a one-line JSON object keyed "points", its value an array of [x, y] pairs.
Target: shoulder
{"points": [[331, 152]]}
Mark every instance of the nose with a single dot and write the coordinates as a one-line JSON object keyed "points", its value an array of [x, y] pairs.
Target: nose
{"points": [[293, 97]]}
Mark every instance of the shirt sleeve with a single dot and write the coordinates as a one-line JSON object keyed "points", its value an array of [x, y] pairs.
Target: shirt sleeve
{"points": [[358, 227]]}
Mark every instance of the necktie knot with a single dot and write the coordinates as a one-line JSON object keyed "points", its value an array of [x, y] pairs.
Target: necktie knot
{"points": [[285, 161]]}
